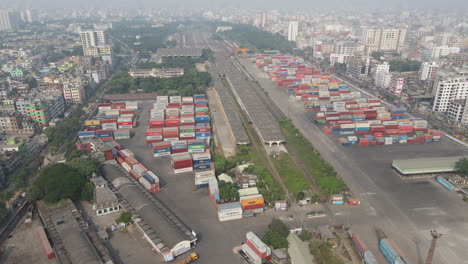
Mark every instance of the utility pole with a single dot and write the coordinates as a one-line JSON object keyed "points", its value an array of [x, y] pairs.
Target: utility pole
{"points": [[435, 235]]}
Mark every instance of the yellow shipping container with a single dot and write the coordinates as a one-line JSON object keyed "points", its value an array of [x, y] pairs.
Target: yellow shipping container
{"points": [[92, 122]]}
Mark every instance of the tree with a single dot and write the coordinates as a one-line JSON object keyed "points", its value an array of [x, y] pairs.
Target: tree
{"points": [[279, 227], [86, 166], [300, 196], [125, 217], [341, 67], [3, 212], [377, 54], [87, 192], [461, 167], [57, 182], [275, 239], [228, 191], [305, 235]]}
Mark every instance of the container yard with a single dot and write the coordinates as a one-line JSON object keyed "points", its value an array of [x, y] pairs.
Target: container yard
{"points": [[113, 121], [340, 111]]}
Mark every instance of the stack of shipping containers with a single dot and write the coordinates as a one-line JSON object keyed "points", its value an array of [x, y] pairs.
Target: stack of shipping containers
{"points": [[343, 111], [257, 251]]}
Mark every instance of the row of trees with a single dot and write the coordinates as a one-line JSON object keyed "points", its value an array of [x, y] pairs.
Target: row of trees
{"points": [[404, 65], [192, 82], [228, 191], [58, 135], [252, 37]]}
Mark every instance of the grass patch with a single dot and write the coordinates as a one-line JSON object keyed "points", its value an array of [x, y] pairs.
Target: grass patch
{"points": [[323, 253], [291, 174], [324, 175]]}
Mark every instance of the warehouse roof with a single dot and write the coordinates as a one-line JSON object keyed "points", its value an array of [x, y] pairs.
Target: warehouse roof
{"points": [[426, 165]]}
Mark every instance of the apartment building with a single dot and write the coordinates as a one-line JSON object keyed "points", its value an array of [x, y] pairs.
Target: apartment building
{"points": [[9, 20], [45, 109], [73, 93], [449, 86], [385, 40], [358, 66], [428, 71], [10, 122], [293, 30], [396, 84]]}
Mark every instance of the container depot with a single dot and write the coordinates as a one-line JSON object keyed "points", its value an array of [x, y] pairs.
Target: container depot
{"points": [[202, 178], [229, 211], [161, 149]]}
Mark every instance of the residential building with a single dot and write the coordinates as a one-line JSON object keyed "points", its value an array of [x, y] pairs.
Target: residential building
{"points": [[293, 29], [385, 40], [21, 103], [45, 109], [8, 106], [156, 72], [91, 38], [383, 80], [263, 20], [16, 73], [396, 84], [358, 66], [381, 69], [428, 71], [449, 86], [456, 110], [339, 58], [439, 52], [73, 93], [9, 20], [346, 48], [10, 122]]}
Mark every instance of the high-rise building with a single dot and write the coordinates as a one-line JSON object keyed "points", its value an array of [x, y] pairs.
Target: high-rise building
{"points": [[358, 66], [92, 38], [30, 15], [293, 29], [381, 68], [346, 48], [448, 87], [263, 20], [428, 71], [385, 40], [396, 84], [9, 20]]}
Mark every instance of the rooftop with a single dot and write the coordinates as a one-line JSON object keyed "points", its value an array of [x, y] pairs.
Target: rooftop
{"points": [[426, 165]]}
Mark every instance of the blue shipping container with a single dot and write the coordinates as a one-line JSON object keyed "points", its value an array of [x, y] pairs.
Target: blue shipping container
{"points": [[85, 133], [369, 258], [104, 135], [201, 166], [148, 178], [387, 251], [161, 150], [445, 183], [338, 202]]}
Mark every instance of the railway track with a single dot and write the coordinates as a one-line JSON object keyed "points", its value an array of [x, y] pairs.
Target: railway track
{"points": [[10, 226]]}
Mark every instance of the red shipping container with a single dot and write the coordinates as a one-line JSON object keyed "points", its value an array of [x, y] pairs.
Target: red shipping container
{"points": [[131, 161], [106, 138], [45, 243], [171, 117], [172, 123], [109, 121], [154, 188], [116, 145], [108, 155], [99, 132], [253, 206], [173, 105], [151, 141], [154, 132], [180, 164], [134, 175], [256, 250], [174, 151], [125, 124], [186, 115], [120, 160]]}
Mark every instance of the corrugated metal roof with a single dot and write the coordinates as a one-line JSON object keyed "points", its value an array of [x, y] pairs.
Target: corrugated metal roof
{"points": [[426, 165]]}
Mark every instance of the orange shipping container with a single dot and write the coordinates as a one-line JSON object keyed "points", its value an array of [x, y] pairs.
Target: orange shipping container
{"points": [[252, 199]]}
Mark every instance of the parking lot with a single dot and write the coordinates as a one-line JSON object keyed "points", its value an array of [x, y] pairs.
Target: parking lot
{"points": [[405, 209]]}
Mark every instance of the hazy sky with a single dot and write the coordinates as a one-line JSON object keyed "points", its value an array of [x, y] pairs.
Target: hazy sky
{"points": [[268, 4]]}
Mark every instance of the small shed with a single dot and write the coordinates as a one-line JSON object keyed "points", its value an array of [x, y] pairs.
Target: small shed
{"points": [[225, 177]]}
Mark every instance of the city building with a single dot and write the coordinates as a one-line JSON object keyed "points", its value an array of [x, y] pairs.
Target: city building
{"points": [[449, 86], [10, 122], [21, 103], [383, 80], [396, 84], [156, 72], [16, 73], [385, 40], [456, 110], [45, 109], [263, 20], [9, 20], [73, 92], [346, 48], [358, 66], [428, 71], [442, 51], [293, 30], [339, 58], [383, 68], [91, 38], [105, 202]]}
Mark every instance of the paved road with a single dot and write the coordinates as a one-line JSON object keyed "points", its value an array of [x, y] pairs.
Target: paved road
{"points": [[405, 209]]}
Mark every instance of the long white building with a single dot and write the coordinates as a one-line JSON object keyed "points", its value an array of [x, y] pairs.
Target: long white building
{"points": [[9, 20], [293, 30]]}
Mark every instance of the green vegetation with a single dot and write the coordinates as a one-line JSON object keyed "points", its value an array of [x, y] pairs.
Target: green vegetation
{"points": [[305, 236], [251, 37], [3, 212], [150, 38], [58, 182], [323, 253], [377, 54], [21, 176], [315, 213], [223, 165], [323, 173], [276, 235], [340, 68], [125, 217], [461, 167], [192, 82], [404, 65], [228, 191], [59, 135], [291, 174], [85, 166]]}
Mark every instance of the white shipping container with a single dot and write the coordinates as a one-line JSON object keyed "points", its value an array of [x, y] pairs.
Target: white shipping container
{"points": [[127, 153], [258, 243], [229, 218], [231, 212], [138, 170], [145, 183], [375, 122], [125, 126], [156, 178], [201, 156], [126, 167], [161, 154], [187, 134], [388, 140], [389, 123], [183, 170]]}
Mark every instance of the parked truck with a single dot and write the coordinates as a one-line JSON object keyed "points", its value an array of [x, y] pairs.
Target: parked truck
{"points": [[189, 259]]}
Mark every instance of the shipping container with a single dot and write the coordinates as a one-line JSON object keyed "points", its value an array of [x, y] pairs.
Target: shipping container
{"points": [[45, 243]]}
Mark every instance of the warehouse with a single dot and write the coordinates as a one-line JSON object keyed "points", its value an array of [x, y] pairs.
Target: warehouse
{"points": [[426, 165], [158, 229]]}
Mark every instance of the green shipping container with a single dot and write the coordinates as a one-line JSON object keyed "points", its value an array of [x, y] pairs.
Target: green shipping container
{"points": [[201, 109], [196, 147]]}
